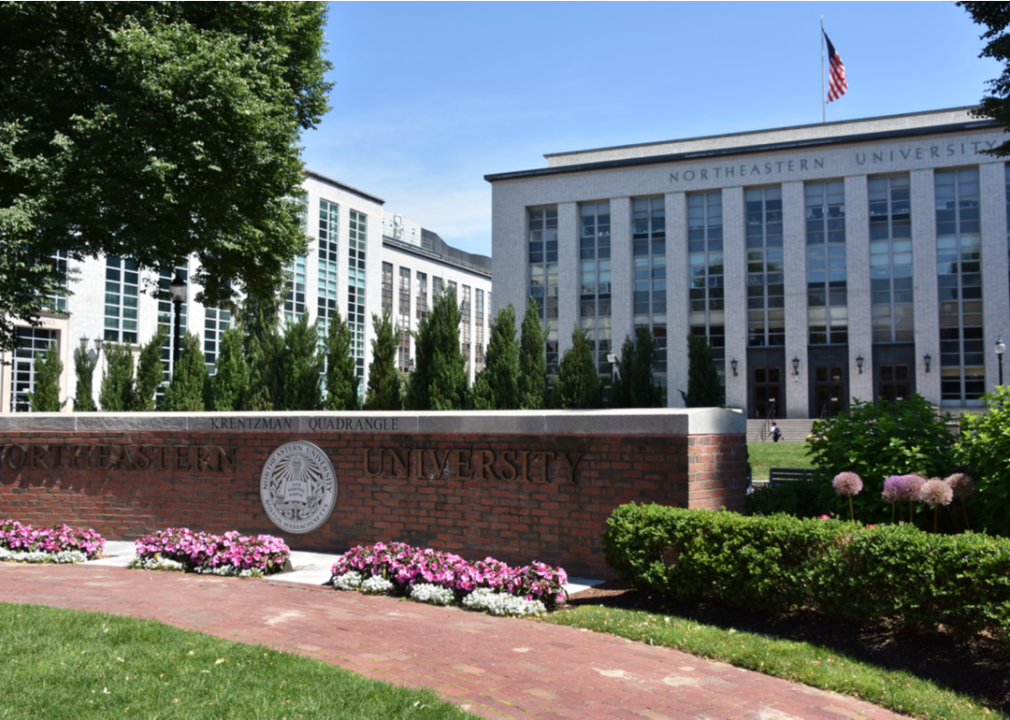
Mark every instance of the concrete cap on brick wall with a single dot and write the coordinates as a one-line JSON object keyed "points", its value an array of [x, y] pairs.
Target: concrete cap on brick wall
{"points": [[645, 421]]}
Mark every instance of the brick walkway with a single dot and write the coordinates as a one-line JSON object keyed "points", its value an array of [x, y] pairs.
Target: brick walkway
{"points": [[495, 667]]}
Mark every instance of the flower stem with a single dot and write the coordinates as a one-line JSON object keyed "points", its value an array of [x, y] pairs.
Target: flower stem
{"points": [[852, 515]]}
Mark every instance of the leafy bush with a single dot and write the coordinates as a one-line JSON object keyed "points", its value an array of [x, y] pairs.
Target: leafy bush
{"points": [[800, 499], [893, 574], [984, 448], [875, 440]]}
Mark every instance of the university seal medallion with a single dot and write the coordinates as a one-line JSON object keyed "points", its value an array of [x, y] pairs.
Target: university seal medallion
{"points": [[298, 487]]}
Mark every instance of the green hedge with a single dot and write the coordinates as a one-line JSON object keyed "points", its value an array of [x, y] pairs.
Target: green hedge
{"points": [[897, 575]]}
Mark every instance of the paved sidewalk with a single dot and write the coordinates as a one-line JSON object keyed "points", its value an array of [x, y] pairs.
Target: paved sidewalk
{"points": [[495, 667]]}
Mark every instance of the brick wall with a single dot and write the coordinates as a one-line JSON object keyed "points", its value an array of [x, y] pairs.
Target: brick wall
{"points": [[469, 496]]}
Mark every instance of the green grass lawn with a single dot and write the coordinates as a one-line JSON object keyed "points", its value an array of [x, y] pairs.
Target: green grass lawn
{"points": [[71, 664], [781, 454], [801, 662]]}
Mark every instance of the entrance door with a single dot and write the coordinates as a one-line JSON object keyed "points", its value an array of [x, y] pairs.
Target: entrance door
{"points": [[894, 383], [767, 392], [829, 390], [34, 342]]}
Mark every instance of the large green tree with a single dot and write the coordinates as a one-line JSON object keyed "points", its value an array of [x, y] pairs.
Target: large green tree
{"points": [[116, 393], [635, 385], [48, 368], [497, 385], [341, 369], [703, 387], [578, 385], [230, 385], [150, 371], [301, 367], [439, 380], [186, 390], [996, 104], [154, 130], [532, 359], [383, 390], [84, 369]]}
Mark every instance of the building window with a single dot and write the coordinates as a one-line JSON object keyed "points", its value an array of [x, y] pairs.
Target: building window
{"points": [[827, 279], [594, 298], [294, 297], [766, 315], [706, 295], [959, 281], [33, 343], [422, 296], [121, 293], [452, 286], [466, 326], [648, 242], [387, 288], [326, 249], [543, 277], [357, 241], [215, 322], [436, 287], [479, 322], [58, 301], [166, 316], [891, 259], [404, 329]]}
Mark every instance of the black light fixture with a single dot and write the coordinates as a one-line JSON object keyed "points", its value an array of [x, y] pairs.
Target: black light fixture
{"points": [[733, 364], [1000, 349], [178, 291], [796, 369], [927, 359], [859, 363]]}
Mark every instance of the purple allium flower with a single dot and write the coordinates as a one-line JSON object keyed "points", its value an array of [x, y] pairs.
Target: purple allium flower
{"points": [[899, 488], [936, 492], [961, 485], [847, 484]]}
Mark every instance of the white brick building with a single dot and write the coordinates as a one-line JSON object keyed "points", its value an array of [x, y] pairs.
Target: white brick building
{"points": [[361, 259], [827, 262]]}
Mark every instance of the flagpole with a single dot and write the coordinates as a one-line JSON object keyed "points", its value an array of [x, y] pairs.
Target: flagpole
{"points": [[824, 111]]}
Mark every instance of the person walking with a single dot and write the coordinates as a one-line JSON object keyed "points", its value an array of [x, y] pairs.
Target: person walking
{"points": [[775, 433]]}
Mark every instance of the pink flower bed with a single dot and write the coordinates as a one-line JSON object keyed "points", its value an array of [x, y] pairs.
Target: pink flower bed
{"points": [[404, 565], [58, 538], [204, 551]]}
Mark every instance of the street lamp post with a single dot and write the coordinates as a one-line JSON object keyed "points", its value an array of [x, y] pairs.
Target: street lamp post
{"points": [[1000, 349], [178, 291]]}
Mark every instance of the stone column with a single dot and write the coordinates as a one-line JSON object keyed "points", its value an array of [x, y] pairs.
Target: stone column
{"points": [[857, 259], [677, 283], [794, 245], [568, 274], [735, 278], [927, 317]]}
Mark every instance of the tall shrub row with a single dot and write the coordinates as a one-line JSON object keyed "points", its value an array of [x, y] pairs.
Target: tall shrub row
{"points": [[895, 575]]}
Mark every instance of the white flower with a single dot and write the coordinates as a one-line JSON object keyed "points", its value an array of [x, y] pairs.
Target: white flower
{"points": [[63, 557], [501, 604], [376, 585], [433, 594], [348, 581]]}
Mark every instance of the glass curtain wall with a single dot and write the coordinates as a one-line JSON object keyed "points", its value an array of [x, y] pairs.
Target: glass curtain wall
{"points": [[357, 241], [891, 259], [648, 247], [122, 290], [959, 281], [827, 278], [594, 256], [404, 323], [326, 269], [705, 256], [766, 315], [543, 275]]}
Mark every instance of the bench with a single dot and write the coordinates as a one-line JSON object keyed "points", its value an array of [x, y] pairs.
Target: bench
{"points": [[781, 476]]}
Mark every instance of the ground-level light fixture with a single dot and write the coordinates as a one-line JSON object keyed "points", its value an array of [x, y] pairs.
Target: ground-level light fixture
{"points": [[1000, 349]]}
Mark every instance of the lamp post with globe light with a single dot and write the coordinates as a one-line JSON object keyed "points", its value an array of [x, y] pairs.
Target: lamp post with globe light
{"points": [[1000, 349], [178, 291]]}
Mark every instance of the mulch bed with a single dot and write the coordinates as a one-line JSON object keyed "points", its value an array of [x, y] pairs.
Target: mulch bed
{"points": [[979, 667]]}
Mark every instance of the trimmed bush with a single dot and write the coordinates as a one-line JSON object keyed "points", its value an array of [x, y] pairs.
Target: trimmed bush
{"points": [[895, 575]]}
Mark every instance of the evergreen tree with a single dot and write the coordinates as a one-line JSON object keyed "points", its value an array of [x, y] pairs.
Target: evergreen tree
{"points": [[84, 368], [383, 391], [341, 376], [497, 385], [185, 391], [150, 371], [578, 385], [231, 381], [439, 380], [116, 393], [703, 388], [264, 347], [301, 366], [532, 359], [635, 385], [46, 397]]}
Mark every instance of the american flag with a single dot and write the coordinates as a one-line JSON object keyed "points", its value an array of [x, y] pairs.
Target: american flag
{"points": [[837, 84]]}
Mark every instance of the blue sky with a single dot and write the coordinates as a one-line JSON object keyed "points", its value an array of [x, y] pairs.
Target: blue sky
{"points": [[430, 97]]}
